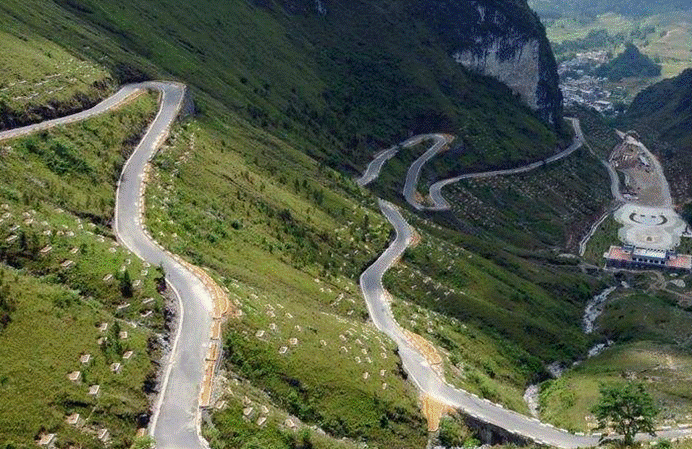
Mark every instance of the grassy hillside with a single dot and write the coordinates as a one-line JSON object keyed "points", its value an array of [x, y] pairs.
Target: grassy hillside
{"points": [[248, 189], [40, 79], [338, 85], [64, 278], [288, 237], [650, 350]]}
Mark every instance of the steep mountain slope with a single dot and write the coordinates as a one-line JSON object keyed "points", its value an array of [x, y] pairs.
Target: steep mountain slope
{"points": [[76, 298], [504, 40], [667, 108], [337, 83], [285, 89]]}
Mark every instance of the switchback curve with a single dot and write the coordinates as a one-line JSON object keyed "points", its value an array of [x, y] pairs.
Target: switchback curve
{"points": [[175, 421]]}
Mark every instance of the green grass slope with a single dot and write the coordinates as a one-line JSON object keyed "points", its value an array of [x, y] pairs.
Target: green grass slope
{"points": [[650, 331], [63, 276], [288, 237], [247, 189], [336, 85]]}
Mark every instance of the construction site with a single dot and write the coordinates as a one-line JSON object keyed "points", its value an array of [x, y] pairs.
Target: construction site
{"points": [[651, 228]]}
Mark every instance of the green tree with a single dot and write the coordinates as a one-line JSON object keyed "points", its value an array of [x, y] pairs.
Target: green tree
{"points": [[126, 285], [626, 408]]}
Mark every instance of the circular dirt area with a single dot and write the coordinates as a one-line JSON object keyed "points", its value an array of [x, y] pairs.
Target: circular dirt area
{"points": [[648, 220]]}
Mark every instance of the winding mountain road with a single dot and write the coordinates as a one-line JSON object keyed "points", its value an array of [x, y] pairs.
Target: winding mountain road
{"points": [[441, 204], [420, 371], [413, 174], [373, 169], [176, 418]]}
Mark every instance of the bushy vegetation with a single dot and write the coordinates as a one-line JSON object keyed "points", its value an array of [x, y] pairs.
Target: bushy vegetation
{"points": [[687, 213], [7, 304]]}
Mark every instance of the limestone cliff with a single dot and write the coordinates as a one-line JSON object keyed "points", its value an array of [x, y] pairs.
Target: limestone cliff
{"points": [[502, 39], [376, 71]]}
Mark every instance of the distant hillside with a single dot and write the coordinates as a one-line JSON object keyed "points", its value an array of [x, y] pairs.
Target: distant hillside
{"points": [[589, 8], [630, 63], [667, 108]]}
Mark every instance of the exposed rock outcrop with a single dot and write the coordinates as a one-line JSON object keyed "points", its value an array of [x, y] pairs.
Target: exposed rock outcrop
{"points": [[504, 40]]}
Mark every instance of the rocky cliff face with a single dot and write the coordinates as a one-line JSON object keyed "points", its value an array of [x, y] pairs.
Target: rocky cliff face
{"points": [[504, 40], [371, 72]]}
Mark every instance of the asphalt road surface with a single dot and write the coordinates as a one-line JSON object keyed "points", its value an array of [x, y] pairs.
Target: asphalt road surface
{"points": [[175, 422], [413, 174], [176, 415]]}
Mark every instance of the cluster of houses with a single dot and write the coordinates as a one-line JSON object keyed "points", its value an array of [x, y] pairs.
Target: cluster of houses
{"points": [[580, 87]]}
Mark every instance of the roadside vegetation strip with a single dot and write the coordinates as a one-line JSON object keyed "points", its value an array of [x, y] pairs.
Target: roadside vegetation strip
{"points": [[71, 248], [585, 241], [222, 306], [122, 96]]}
